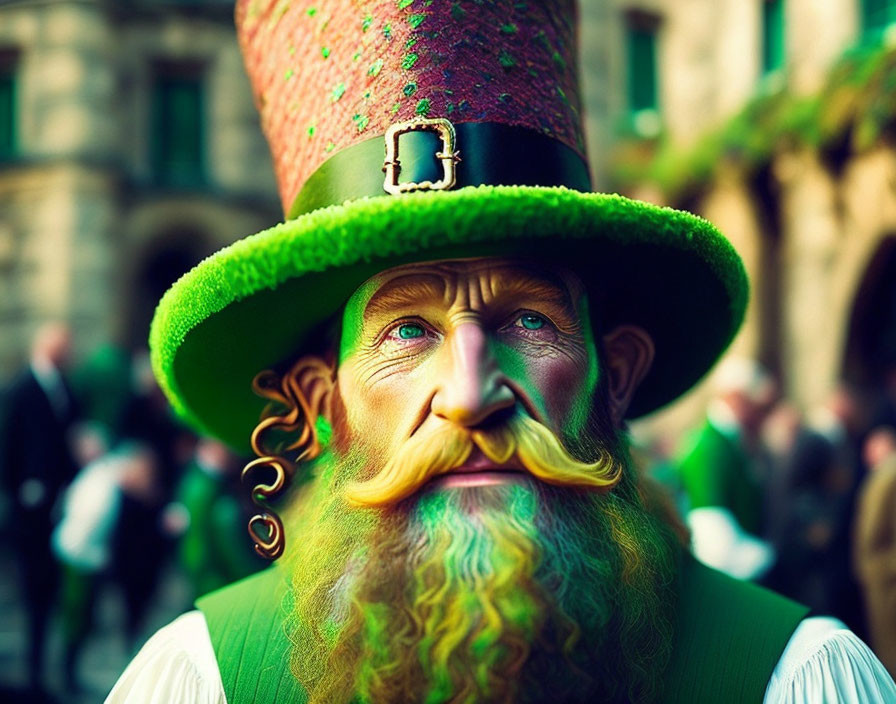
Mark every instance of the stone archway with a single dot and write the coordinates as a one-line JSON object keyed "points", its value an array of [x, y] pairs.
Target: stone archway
{"points": [[870, 353], [165, 237], [171, 254]]}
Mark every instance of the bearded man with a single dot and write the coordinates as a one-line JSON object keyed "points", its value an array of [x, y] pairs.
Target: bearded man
{"points": [[449, 355]]}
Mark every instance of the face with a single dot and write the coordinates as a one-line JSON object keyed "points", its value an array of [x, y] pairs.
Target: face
{"points": [[474, 456], [466, 344], [53, 343]]}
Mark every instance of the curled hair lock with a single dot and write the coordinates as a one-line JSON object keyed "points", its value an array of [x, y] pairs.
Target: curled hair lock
{"points": [[285, 437]]}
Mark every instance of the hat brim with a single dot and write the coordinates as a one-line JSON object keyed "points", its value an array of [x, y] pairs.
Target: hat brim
{"points": [[252, 305]]}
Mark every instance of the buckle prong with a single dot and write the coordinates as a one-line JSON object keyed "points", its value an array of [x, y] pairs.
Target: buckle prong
{"points": [[447, 155]]}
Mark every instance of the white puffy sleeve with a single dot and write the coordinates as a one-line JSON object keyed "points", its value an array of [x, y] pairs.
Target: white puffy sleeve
{"points": [[176, 665], [718, 540], [826, 663]]}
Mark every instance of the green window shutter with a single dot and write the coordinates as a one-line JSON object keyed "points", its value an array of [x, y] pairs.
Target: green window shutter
{"points": [[178, 120], [642, 73], [8, 105], [773, 35]]}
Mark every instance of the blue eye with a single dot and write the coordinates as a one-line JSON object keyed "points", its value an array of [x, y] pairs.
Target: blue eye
{"points": [[410, 331], [530, 321]]}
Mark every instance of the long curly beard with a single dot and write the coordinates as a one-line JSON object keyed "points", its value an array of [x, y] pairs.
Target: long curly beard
{"points": [[516, 592]]}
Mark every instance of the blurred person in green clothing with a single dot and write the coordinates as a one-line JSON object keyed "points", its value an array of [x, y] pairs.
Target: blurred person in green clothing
{"points": [[83, 539], [103, 385], [214, 548], [719, 470]]}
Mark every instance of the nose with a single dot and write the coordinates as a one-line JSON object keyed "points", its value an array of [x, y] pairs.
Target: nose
{"points": [[472, 389]]}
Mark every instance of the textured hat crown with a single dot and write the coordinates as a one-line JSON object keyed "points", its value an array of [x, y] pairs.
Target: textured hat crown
{"points": [[329, 74]]}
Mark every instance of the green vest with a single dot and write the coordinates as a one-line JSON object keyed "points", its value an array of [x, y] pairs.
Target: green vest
{"points": [[730, 636]]}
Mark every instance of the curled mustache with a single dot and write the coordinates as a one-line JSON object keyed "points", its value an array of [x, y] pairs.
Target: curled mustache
{"points": [[428, 455]]}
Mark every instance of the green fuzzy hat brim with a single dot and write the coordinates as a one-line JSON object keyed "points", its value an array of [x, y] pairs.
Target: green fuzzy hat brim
{"points": [[250, 306]]}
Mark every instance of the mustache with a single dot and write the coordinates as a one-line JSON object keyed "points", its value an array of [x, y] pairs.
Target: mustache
{"points": [[428, 455]]}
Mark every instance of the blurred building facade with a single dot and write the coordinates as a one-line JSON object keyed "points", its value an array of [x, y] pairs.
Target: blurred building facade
{"points": [[775, 120], [129, 150]]}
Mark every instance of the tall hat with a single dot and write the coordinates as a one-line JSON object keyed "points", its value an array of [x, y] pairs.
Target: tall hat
{"points": [[417, 130]]}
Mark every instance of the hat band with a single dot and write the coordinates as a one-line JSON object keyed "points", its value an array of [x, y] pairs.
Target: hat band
{"points": [[491, 154]]}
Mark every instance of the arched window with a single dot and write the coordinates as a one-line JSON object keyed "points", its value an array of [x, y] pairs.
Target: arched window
{"points": [[9, 60], [642, 75], [773, 36], [178, 122], [871, 343]]}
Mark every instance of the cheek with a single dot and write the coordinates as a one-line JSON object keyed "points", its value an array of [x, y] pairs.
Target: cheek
{"points": [[567, 389], [559, 380], [381, 415]]}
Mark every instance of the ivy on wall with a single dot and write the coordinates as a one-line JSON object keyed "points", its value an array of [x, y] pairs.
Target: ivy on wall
{"points": [[854, 111]]}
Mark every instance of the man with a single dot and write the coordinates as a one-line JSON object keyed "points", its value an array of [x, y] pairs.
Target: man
{"points": [[36, 463], [811, 508], [448, 372], [720, 472], [875, 542]]}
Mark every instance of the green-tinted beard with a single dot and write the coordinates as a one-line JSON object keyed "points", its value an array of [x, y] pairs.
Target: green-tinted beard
{"points": [[508, 593]]}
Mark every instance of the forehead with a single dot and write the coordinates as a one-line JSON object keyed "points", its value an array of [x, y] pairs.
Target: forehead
{"points": [[466, 281], [470, 283]]}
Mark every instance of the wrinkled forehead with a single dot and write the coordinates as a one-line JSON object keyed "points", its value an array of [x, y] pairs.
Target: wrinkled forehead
{"points": [[450, 279]]}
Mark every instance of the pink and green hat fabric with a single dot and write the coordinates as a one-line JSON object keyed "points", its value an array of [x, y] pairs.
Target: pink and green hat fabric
{"points": [[330, 78]]}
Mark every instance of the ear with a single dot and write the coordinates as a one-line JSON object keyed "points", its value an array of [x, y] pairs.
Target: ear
{"points": [[628, 355]]}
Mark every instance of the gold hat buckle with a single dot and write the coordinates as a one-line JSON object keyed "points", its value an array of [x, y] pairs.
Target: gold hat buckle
{"points": [[448, 156]]}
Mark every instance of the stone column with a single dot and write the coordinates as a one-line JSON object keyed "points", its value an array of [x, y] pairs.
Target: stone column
{"points": [[812, 235]]}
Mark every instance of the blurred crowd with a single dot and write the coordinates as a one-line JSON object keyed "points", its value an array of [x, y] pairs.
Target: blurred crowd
{"points": [[803, 503], [103, 490]]}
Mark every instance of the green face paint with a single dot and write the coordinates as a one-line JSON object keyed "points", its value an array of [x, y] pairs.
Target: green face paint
{"points": [[353, 318], [581, 406]]}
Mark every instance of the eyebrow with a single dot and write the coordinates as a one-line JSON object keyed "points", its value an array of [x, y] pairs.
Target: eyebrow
{"points": [[403, 291], [414, 289], [538, 287]]}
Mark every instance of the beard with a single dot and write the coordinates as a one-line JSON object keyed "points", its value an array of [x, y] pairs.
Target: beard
{"points": [[555, 588]]}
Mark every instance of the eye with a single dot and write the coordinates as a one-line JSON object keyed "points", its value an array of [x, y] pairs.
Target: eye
{"points": [[409, 331], [531, 321], [529, 326]]}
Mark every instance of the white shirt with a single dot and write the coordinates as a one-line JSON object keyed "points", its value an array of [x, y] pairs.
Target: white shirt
{"points": [[824, 663], [83, 538]]}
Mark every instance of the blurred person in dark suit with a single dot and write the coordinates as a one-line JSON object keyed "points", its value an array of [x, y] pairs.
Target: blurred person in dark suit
{"points": [[875, 542], [142, 544], [148, 419], [839, 429], [138, 546], [37, 462], [808, 503]]}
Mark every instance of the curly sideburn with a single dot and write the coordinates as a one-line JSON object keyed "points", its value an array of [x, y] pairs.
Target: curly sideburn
{"points": [[285, 437]]}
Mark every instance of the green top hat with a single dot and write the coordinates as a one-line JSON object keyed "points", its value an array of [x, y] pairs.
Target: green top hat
{"points": [[416, 130]]}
